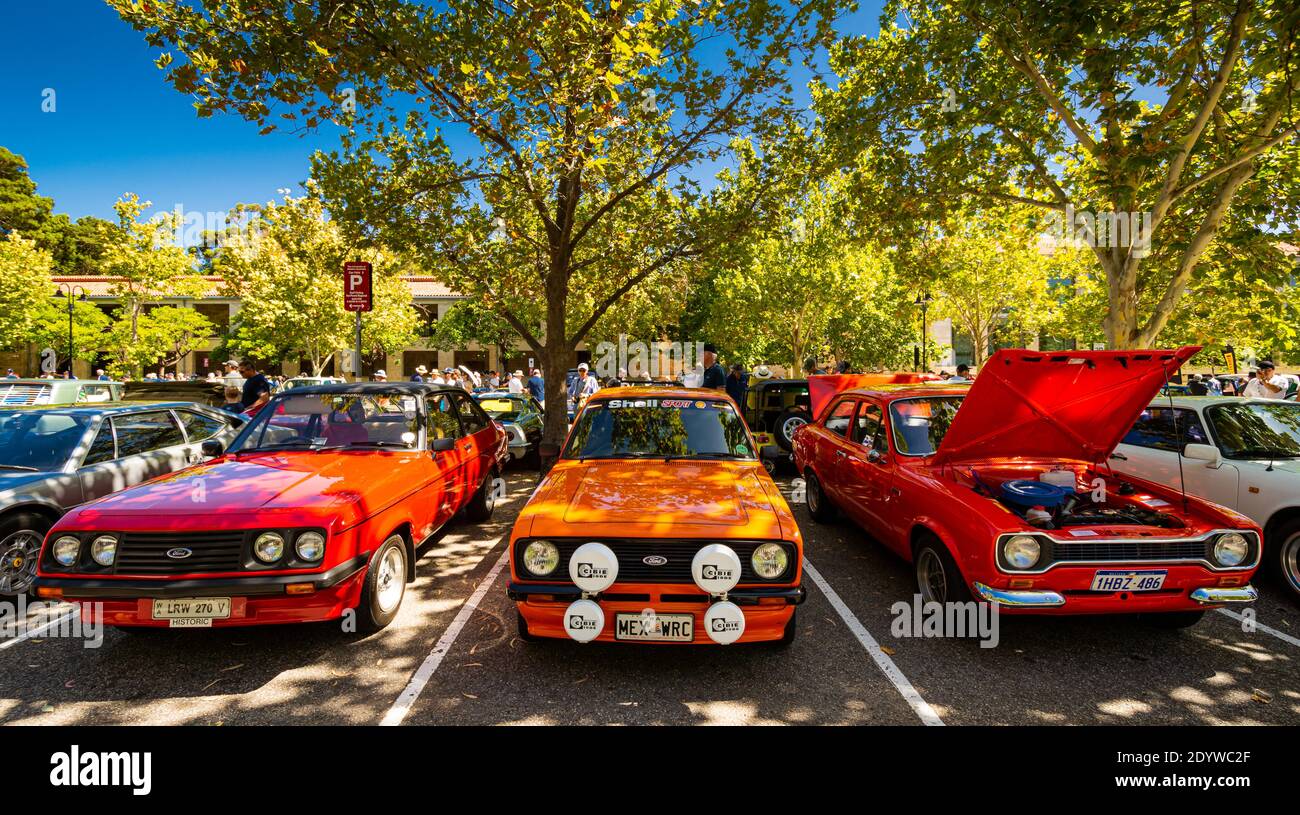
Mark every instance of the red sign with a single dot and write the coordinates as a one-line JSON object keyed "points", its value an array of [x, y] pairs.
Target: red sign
{"points": [[356, 286]]}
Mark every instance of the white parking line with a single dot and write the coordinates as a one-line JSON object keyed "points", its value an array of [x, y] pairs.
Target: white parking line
{"points": [[1282, 635], [424, 673], [39, 630], [887, 667]]}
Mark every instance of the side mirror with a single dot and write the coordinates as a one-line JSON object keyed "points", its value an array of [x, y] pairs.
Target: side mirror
{"points": [[211, 448], [442, 445], [1203, 452], [876, 457]]}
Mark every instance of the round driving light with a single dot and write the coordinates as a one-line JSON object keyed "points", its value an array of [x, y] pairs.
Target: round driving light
{"points": [[66, 550], [309, 546], [541, 558], [1021, 551], [716, 568], [724, 622], [269, 547], [103, 550], [593, 567], [584, 620], [1231, 549], [769, 561]]}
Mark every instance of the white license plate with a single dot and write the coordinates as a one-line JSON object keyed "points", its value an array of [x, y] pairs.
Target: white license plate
{"points": [[1117, 580], [192, 612], [659, 628]]}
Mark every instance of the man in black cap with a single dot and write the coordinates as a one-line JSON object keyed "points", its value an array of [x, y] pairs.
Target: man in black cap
{"points": [[1262, 385], [714, 376], [737, 383]]}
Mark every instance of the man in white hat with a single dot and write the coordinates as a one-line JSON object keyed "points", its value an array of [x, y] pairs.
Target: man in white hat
{"points": [[380, 375], [585, 385], [516, 384], [420, 373]]}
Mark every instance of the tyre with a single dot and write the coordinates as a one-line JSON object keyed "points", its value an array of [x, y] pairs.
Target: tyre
{"points": [[938, 579], [522, 625], [789, 421], [1283, 554], [819, 506], [483, 501], [1173, 619], [769, 464], [385, 586], [21, 536], [791, 629]]}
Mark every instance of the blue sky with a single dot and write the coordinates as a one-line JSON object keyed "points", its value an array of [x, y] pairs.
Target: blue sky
{"points": [[118, 127]]}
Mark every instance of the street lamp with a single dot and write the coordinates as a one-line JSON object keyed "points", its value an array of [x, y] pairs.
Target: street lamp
{"points": [[73, 293], [923, 300]]}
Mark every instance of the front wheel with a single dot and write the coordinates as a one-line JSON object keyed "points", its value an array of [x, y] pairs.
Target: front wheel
{"points": [[385, 586], [21, 536], [938, 580], [1285, 556], [483, 501]]}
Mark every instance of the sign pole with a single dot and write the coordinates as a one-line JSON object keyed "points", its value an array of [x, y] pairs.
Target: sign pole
{"points": [[358, 296], [357, 353]]}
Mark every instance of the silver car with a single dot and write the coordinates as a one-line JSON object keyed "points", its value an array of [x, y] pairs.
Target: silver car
{"points": [[52, 459]]}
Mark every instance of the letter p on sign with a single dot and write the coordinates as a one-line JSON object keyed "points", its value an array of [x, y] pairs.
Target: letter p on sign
{"points": [[357, 286]]}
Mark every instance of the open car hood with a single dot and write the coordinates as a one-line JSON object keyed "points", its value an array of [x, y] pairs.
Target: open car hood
{"points": [[821, 387], [1072, 405]]}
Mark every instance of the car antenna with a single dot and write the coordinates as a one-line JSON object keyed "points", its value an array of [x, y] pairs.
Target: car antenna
{"points": [[1178, 441]]}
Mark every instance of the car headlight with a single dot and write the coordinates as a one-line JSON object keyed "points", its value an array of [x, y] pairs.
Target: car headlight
{"points": [[66, 550], [1231, 549], [310, 546], [269, 547], [103, 550], [769, 561], [541, 558], [1021, 551]]}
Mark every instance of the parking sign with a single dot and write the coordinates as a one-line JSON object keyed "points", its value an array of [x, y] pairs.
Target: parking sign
{"points": [[356, 286]]}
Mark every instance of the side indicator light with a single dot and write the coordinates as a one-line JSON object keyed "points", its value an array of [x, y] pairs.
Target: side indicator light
{"points": [[299, 588], [44, 591]]}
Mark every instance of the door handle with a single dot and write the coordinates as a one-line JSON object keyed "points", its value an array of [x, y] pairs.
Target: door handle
{"points": [[841, 454], [1119, 456]]}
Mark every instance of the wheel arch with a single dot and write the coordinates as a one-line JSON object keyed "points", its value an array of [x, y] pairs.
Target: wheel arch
{"points": [[1276, 520], [48, 511], [408, 540]]}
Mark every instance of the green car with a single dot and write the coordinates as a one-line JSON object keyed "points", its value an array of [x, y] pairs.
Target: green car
{"points": [[32, 392], [521, 417]]}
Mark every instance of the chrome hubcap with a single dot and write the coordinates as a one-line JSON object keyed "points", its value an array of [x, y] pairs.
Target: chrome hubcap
{"points": [[930, 577], [792, 424], [18, 555], [390, 583], [1290, 555]]}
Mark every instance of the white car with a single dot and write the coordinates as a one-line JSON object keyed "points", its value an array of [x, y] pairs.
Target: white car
{"points": [[1240, 453]]}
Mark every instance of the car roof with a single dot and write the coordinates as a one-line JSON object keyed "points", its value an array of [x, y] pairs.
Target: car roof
{"points": [[36, 380], [500, 395], [96, 408], [643, 392], [1205, 401], [376, 387], [904, 391]]}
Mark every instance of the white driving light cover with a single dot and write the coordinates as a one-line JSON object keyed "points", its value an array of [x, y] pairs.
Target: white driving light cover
{"points": [[1022, 551], [1231, 549], [716, 568], [593, 567], [310, 546], [724, 622], [769, 561], [103, 550], [66, 550], [269, 547], [541, 558], [584, 620]]}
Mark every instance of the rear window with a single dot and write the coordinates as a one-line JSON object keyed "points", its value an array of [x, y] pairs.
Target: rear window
{"points": [[659, 428]]}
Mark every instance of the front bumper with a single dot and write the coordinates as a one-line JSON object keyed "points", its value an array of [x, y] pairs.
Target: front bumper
{"points": [[255, 600], [1225, 596], [1019, 598], [1068, 590]]}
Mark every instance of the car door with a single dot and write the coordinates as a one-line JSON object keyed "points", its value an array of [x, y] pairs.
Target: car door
{"points": [[199, 427], [477, 444], [1152, 449], [447, 481], [868, 472], [834, 447], [148, 444]]}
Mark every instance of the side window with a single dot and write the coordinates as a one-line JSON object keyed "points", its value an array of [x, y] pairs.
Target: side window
{"points": [[867, 429], [442, 421], [471, 414], [142, 432], [1155, 429], [102, 448], [840, 417], [199, 426]]}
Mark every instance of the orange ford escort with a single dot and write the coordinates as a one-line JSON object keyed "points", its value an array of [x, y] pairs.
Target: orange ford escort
{"points": [[657, 524]]}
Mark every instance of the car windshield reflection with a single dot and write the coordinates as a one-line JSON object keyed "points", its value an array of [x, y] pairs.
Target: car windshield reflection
{"points": [[659, 428], [334, 420]]}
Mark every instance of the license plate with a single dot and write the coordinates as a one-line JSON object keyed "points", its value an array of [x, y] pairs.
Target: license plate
{"points": [[192, 612], [1116, 580], [656, 628]]}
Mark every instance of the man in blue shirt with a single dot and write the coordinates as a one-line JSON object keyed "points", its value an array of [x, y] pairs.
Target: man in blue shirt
{"points": [[257, 388], [737, 383], [537, 386], [714, 376]]}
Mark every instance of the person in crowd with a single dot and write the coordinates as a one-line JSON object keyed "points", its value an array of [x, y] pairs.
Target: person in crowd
{"points": [[1196, 385], [100, 375], [256, 389], [516, 384], [233, 400], [843, 367], [1262, 385], [962, 375], [737, 383], [449, 376], [537, 385], [9, 374], [494, 380], [420, 373], [1213, 386], [585, 385], [762, 372], [715, 377], [379, 376]]}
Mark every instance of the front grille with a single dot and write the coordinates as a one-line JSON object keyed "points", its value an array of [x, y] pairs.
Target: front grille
{"points": [[1102, 551], [679, 553], [146, 553]]}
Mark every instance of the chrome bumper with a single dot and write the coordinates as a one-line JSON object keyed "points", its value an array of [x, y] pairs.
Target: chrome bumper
{"points": [[1020, 598], [1217, 596]]}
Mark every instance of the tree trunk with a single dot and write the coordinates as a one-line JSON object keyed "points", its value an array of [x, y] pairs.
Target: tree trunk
{"points": [[558, 355]]}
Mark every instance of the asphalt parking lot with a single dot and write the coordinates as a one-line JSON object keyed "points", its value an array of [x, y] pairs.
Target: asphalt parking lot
{"points": [[453, 657]]}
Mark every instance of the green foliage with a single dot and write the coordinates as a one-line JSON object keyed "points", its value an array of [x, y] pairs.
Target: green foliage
{"points": [[24, 286]]}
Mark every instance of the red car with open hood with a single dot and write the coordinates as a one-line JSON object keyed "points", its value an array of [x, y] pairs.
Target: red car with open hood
{"points": [[1001, 490], [316, 509]]}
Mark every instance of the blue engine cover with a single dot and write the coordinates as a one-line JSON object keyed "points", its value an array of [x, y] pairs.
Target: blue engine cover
{"points": [[1027, 494]]}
